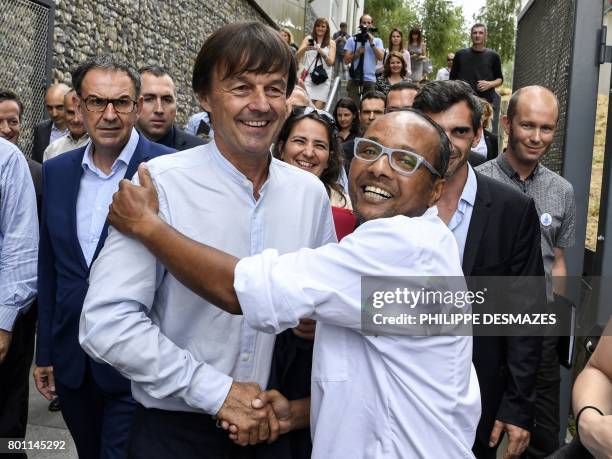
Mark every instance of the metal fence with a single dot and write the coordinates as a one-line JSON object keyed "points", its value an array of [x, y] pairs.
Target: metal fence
{"points": [[543, 56], [26, 27]]}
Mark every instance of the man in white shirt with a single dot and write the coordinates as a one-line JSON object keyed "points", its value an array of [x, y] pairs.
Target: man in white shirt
{"points": [[187, 360], [384, 396], [77, 135], [444, 72]]}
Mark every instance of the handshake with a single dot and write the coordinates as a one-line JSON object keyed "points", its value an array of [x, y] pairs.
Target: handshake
{"points": [[252, 416]]}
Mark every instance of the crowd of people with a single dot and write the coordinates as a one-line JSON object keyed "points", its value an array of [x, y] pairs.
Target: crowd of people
{"points": [[198, 294]]}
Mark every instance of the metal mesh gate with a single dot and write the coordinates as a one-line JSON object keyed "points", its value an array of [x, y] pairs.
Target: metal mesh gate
{"points": [[543, 56], [24, 50]]}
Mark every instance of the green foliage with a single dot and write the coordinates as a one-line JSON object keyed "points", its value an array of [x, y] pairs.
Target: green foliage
{"points": [[443, 28], [500, 19], [442, 22]]}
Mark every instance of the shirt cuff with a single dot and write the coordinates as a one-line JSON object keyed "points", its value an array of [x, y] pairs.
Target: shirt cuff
{"points": [[8, 315], [211, 389], [261, 299]]}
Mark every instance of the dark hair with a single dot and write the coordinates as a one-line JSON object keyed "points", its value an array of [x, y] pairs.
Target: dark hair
{"points": [[478, 24], [155, 70], [373, 95], [5, 94], [105, 62], [343, 24], [389, 45], [331, 174], [445, 148], [415, 30], [437, 96], [404, 85], [399, 56], [325, 41], [349, 104], [243, 47]]}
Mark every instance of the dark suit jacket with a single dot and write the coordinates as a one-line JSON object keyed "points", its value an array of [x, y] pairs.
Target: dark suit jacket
{"points": [[475, 159], [42, 131], [492, 145], [36, 173], [504, 240], [180, 140], [63, 274]]}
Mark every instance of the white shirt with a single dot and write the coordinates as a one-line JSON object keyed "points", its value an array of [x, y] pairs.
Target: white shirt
{"points": [[96, 193], [481, 148], [443, 74], [64, 144], [372, 397], [180, 351]]}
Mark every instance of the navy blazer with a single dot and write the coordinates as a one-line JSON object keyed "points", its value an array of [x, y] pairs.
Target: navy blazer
{"points": [[63, 274]]}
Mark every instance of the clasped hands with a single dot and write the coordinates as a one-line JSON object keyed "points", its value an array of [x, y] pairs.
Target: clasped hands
{"points": [[253, 416]]}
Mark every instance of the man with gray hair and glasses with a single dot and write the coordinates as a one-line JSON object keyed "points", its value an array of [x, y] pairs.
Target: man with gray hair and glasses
{"points": [[78, 187]]}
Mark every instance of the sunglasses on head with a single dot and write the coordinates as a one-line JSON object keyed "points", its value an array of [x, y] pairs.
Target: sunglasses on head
{"points": [[322, 114]]}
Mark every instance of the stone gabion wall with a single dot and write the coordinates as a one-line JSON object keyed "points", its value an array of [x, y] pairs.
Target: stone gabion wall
{"points": [[169, 33]]}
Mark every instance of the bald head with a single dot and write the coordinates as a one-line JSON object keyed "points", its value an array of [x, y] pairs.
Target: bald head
{"points": [[536, 95], [54, 103]]}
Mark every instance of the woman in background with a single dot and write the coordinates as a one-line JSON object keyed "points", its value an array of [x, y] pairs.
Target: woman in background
{"points": [[286, 34], [317, 49], [346, 116], [418, 52], [395, 71], [396, 43]]}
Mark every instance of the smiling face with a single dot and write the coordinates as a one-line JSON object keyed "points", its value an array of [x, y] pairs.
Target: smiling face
{"points": [[344, 117], [158, 105], [247, 111], [377, 190], [108, 130], [395, 65], [457, 123], [307, 146], [320, 29], [532, 128], [10, 124]]}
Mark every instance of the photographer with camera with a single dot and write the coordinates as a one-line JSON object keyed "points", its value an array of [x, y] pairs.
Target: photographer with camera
{"points": [[362, 51]]}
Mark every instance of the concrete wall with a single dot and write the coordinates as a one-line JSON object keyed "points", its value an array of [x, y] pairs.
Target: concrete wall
{"points": [[144, 32]]}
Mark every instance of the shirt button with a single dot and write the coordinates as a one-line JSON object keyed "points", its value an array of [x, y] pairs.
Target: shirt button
{"points": [[246, 356]]}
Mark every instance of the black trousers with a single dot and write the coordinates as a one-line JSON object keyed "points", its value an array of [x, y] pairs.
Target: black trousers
{"points": [[545, 432], [15, 378], [171, 434]]}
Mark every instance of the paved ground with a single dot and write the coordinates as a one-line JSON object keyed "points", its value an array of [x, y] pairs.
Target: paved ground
{"points": [[45, 425]]}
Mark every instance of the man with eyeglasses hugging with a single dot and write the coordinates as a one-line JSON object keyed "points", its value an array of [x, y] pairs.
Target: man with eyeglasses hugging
{"points": [[77, 187], [395, 396]]}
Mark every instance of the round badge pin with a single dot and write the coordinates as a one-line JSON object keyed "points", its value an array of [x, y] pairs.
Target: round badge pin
{"points": [[545, 219]]}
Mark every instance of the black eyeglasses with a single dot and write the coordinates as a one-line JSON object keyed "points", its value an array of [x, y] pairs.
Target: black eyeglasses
{"points": [[402, 161], [322, 114], [99, 104]]}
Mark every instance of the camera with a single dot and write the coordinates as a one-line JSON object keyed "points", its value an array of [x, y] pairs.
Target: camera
{"points": [[362, 35]]}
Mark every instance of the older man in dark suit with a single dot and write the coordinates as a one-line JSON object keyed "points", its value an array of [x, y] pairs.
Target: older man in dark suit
{"points": [[156, 120], [50, 130], [78, 186], [498, 234]]}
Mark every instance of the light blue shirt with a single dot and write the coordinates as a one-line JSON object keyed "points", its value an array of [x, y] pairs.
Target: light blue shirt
{"points": [[56, 133], [181, 352], [460, 222], [18, 235], [96, 193], [369, 65]]}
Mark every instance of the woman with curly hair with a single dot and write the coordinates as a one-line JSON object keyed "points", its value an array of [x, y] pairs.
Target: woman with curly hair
{"points": [[309, 140]]}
